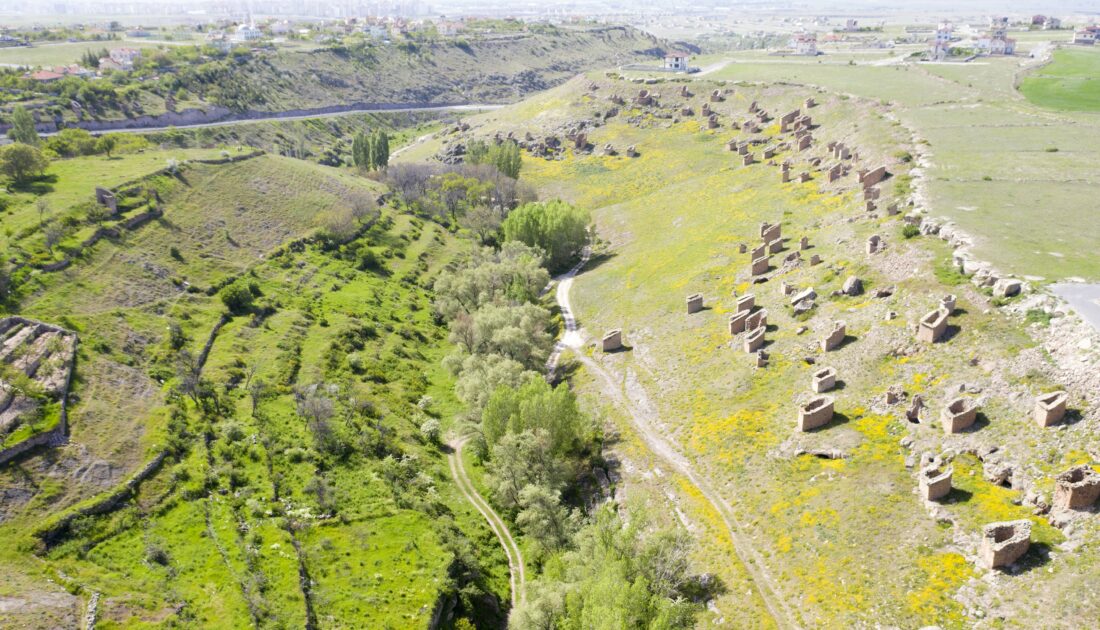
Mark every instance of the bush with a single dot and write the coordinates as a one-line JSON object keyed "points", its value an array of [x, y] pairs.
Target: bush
{"points": [[237, 298], [432, 430], [910, 230]]}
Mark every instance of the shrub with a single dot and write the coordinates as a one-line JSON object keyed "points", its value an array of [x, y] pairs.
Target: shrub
{"points": [[237, 298], [910, 230]]}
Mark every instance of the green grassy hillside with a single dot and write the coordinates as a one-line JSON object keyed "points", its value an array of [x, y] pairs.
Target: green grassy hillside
{"points": [[258, 515]]}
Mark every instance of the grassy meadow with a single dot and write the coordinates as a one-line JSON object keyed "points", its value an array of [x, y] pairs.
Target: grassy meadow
{"points": [[1013, 175], [1071, 81], [848, 539]]}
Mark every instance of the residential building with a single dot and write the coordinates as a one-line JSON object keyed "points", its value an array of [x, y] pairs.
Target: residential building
{"points": [[125, 57], [676, 61]]}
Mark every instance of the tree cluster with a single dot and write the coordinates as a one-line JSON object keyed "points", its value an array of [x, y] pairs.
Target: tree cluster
{"points": [[556, 227], [371, 152]]}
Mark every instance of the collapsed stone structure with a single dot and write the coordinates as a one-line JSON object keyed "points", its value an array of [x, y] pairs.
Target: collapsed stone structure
{"points": [[835, 337], [823, 380], [694, 303], [958, 415], [1004, 543], [1050, 408], [613, 340], [816, 413], [932, 326], [106, 198], [1076, 488], [949, 303], [934, 483], [757, 319], [874, 243]]}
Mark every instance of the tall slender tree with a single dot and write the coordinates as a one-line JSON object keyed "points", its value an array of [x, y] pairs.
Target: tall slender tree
{"points": [[22, 126]]}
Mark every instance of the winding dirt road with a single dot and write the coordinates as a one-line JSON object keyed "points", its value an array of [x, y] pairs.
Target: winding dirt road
{"points": [[643, 416], [516, 565]]}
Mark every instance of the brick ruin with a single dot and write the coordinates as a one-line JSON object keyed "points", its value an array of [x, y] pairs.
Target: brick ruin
{"points": [[1004, 543], [737, 322], [823, 380], [949, 303], [754, 340], [834, 338], [41, 352], [816, 413], [1050, 408], [1077, 488], [716, 96], [694, 303], [757, 319], [934, 483], [106, 198], [958, 415], [932, 326], [760, 266], [769, 232], [613, 340], [747, 159], [746, 302], [874, 244]]}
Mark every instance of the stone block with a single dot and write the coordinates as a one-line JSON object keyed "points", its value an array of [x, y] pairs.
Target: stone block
{"points": [[948, 303], [737, 322], [757, 319], [760, 266], [1007, 287], [745, 303]]}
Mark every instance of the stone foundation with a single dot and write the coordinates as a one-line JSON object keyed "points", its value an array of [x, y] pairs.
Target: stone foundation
{"points": [[816, 413], [823, 380], [1004, 543], [1077, 488], [932, 326], [960, 414], [934, 483], [1050, 408]]}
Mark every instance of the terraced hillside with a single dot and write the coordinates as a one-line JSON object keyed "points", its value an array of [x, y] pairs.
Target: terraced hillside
{"points": [[824, 528], [262, 466]]}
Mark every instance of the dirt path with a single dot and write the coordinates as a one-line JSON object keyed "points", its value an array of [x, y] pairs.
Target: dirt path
{"points": [[516, 566], [638, 406]]}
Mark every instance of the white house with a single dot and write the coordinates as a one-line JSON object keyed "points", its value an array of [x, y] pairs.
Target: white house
{"points": [[804, 44], [125, 57], [1085, 36], [940, 45], [676, 61], [247, 33]]}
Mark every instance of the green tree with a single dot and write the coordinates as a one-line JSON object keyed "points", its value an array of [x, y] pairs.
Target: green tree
{"points": [[517, 332], [543, 518], [511, 275], [360, 151], [506, 157], [22, 126], [555, 227], [21, 162], [106, 144], [519, 461], [379, 146], [237, 298], [537, 406]]}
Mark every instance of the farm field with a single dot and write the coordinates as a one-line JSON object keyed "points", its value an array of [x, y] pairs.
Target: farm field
{"points": [[69, 52], [1071, 82], [1010, 174]]}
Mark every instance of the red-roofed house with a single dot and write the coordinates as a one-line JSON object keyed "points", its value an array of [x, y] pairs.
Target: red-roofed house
{"points": [[676, 60]]}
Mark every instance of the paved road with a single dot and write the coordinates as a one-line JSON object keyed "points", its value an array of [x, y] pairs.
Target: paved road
{"points": [[276, 116], [516, 565], [1082, 298], [641, 412]]}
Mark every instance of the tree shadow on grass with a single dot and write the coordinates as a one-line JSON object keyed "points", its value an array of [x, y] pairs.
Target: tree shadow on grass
{"points": [[37, 186], [596, 260]]}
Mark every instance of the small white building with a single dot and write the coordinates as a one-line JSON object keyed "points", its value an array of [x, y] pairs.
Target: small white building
{"points": [[1085, 36], [676, 61], [125, 57], [804, 44], [247, 33], [1052, 24]]}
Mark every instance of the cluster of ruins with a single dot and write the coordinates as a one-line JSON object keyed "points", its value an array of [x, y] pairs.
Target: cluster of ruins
{"points": [[42, 353]]}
